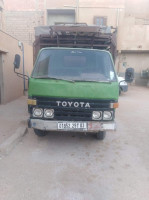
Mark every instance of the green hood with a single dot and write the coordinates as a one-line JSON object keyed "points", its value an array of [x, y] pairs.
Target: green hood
{"points": [[84, 90]]}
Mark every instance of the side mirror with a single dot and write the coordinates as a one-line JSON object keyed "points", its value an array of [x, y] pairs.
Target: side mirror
{"points": [[129, 75], [17, 60]]}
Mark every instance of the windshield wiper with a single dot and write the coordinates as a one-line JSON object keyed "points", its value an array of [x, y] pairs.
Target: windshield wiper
{"points": [[93, 81], [53, 78]]}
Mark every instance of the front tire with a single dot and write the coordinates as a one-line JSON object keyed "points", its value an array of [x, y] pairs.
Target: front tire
{"points": [[40, 133], [101, 135]]}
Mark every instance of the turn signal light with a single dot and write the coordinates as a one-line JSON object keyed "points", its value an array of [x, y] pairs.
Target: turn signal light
{"points": [[32, 102], [114, 105]]}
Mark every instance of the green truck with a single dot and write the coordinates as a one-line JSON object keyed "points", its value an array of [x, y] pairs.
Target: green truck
{"points": [[73, 86]]}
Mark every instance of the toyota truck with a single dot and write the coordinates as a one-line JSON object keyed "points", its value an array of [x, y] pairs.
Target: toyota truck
{"points": [[73, 86]]}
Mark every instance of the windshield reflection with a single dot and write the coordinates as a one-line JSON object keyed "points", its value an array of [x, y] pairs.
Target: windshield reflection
{"points": [[75, 65]]}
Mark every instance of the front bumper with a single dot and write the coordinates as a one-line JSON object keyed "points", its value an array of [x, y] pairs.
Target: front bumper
{"points": [[92, 126]]}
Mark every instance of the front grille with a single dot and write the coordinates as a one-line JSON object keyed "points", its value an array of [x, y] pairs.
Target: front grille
{"points": [[71, 113]]}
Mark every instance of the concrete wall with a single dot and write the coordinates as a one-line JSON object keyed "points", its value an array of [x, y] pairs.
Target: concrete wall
{"points": [[59, 4], [138, 60], [13, 85], [95, 3], [131, 17], [133, 39], [137, 8], [20, 24], [87, 15], [132, 36], [24, 5], [87, 9], [1, 15], [22, 16], [134, 26]]}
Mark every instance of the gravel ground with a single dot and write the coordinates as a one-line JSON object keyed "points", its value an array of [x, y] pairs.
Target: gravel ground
{"points": [[78, 167]]}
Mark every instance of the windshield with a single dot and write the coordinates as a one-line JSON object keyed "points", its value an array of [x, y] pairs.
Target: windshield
{"points": [[75, 65]]}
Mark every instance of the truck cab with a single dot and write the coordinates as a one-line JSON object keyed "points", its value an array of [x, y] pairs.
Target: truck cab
{"points": [[73, 86], [73, 90]]}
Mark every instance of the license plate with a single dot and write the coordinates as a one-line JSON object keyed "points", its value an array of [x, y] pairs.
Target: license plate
{"points": [[72, 126]]}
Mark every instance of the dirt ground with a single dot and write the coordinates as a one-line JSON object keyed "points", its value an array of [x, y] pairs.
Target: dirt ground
{"points": [[11, 116], [78, 167]]}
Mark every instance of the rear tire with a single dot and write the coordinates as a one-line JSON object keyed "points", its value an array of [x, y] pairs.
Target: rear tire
{"points": [[101, 135], [40, 133]]}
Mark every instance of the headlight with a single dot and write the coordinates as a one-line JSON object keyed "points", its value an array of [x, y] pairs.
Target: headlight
{"points": [[48, 113], [37, 112], [96, 115], [107, 115]]}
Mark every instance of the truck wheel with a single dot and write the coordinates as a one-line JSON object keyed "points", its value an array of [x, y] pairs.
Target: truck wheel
{"points": [[40, 133], [101, 135]]}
